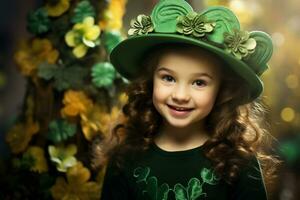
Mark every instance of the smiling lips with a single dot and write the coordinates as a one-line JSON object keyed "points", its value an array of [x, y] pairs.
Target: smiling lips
{"points": [[180, 109], [179, 112]]}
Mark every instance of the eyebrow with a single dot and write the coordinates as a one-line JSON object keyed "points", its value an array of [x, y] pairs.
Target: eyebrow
{"points": [[194, 74]]}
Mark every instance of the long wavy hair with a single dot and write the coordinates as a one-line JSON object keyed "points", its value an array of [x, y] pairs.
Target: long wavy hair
{"points": [[237, 129]]}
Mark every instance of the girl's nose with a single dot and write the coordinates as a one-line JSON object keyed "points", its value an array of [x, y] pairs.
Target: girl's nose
{"points": [[180, 94]]}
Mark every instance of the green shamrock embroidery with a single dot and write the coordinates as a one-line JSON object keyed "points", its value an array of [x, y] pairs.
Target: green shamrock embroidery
{"points": [[141, 174], [180, 192], [208, 176], [194, 24], [192, 192], [155, 192]]}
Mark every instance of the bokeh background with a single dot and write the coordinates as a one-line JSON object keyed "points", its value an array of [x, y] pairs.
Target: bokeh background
{"points": [[281, 19]]}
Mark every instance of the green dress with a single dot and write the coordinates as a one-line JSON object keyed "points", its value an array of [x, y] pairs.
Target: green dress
{"points": [[179, 175]]}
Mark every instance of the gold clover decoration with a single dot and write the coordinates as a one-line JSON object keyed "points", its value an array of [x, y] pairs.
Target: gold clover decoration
{"points": [[141, 25], [194, 24], [239, 43]]}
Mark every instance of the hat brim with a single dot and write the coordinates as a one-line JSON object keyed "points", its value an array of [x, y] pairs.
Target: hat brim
{"points": [[127, 56]]}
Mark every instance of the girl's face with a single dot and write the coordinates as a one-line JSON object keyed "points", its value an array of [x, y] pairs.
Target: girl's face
{"points": [[185, 86]]}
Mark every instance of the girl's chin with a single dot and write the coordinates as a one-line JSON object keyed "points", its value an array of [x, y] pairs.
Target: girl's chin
{"points": [[178, 123]]}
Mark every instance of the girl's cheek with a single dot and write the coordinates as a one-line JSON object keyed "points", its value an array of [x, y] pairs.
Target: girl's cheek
{"points": [[206, 99], [161, 90], [204, 94]]}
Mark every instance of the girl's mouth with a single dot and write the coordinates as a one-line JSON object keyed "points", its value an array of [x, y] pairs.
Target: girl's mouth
{"points": [[180, 112], [180, 109]]}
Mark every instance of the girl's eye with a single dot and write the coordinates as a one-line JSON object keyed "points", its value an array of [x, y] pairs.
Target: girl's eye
{"points": [[200, 83], [167, 78]]}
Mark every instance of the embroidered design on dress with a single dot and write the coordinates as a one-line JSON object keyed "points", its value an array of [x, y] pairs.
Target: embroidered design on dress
{"points": [[193, 191]]}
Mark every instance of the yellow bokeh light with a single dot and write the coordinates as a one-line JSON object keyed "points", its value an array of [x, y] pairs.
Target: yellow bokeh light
{"points": [[278, 38], [237, 5], [287, 114], [292, 81], [246, 11]]}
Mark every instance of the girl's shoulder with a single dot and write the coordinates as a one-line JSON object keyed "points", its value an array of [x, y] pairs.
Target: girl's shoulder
{"points": [[251, 171], [250, 183], [121, 160]]}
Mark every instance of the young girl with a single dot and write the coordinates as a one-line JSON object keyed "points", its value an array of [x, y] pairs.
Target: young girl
{"points": [[192, 124]]}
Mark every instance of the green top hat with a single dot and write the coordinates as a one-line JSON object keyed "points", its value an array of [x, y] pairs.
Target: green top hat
{"points": [[216, 29]]}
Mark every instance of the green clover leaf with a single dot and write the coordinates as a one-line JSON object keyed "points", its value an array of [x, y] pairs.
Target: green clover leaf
{"points": [[63, 77], [38, 22], [46, 70], [103, 74], [60, 130], [83, 9], [69, 77], [141, 25]]}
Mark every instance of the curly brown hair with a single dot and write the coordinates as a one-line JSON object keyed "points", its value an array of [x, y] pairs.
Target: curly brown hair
{"points": [[237, 128]]}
